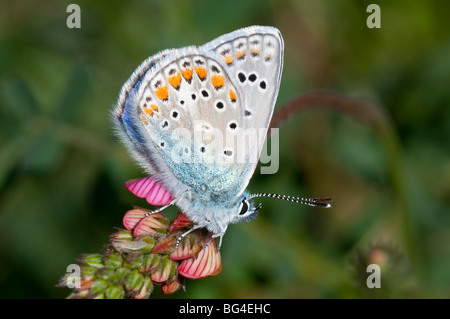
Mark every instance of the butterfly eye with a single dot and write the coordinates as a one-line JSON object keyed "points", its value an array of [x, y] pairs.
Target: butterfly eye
{"points": [[244, 207]]}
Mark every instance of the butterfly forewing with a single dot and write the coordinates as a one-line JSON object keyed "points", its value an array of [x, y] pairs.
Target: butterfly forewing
{"points": [[126, 116]]}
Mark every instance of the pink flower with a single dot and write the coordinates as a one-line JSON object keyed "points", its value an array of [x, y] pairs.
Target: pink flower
{"points": [[196, 254]]}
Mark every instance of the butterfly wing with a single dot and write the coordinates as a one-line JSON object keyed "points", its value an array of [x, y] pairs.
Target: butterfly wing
{"points": [[179, 104], [166, 100], [253, 58]]}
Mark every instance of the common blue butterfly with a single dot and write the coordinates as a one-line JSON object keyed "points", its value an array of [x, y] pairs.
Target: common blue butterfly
{"points": [[181, 113]]}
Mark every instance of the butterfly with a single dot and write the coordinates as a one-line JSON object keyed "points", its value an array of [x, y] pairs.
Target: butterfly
{"points": [[196, 118]]}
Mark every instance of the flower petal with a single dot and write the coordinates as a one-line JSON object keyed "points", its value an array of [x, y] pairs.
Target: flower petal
{"points": [[171, 287], [207, 263], [133, 217], [181, 221], [150, 189], [141, 186], [154, 224], [159, 196], [217, 272]]}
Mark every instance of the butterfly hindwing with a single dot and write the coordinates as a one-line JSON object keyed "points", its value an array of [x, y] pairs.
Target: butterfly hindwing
{"points": [[253, 58]]}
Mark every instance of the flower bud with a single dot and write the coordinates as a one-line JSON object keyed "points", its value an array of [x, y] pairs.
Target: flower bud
{"points": [[93, 260], [150, 243], [115, 292], [136, 261], [88, 272], [105, 273], [171, 287], [98, 287], [121, 275], [151, 263], [145, 290], [122, 235], [166, 270], [113, 260], [165, 245], [135, 282]]}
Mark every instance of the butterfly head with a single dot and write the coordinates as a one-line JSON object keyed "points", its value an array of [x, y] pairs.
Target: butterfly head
{"points": [[246, 210]]}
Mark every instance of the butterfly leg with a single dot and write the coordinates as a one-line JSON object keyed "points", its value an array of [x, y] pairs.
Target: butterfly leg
{"points": [[222, 232], [197, 226], [179, 239], [159, 209]]}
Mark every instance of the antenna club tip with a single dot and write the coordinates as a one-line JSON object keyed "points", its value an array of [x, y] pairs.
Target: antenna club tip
{"points": [[323, 200]]}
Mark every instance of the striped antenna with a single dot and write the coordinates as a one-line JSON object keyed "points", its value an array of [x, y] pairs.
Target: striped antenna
{"points": [[314, 202]]}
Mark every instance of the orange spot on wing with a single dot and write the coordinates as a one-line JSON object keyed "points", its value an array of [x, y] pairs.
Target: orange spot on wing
{"points": [[240, 54], [187, 73], [144, 119], [148, 111], [162, 93], [175, 80], [218, 81], [201, 72], [254, 52], [228, 59], [232, 95]]}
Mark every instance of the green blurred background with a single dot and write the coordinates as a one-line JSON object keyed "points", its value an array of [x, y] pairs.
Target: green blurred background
{"points": [[62, 171]]}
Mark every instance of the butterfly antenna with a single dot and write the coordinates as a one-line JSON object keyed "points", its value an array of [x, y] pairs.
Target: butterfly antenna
{"points": [[314, 202]]}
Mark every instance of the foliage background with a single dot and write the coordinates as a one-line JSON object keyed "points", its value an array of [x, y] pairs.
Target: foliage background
{"points": [[62, 171]]}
